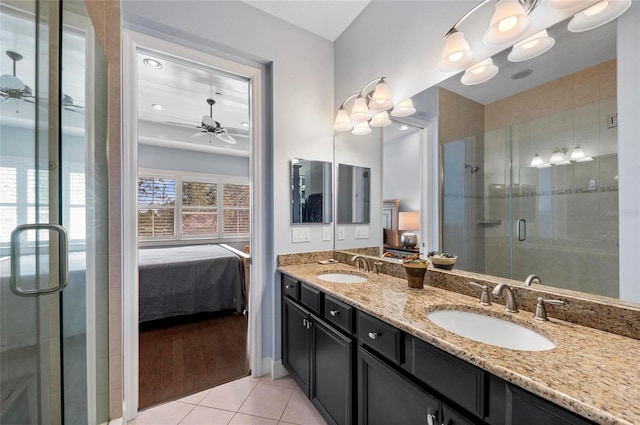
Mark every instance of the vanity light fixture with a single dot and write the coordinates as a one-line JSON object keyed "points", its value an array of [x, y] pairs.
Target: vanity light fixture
{"points": [[370, 106], [585, 159], [577, 153], [508, 23], [597, 15], [531, 47], [544, 166], [456, 54], [557, 156], [479, 73], [152, 63], [157, 107], [536, 161]]}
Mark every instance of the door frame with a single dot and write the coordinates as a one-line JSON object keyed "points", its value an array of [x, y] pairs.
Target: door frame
{"points": [[131, 42]]}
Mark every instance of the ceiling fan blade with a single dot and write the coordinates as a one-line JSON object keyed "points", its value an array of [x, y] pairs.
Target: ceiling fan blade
{"points": [[182, 124], [225, 137], [199, 134], [237, 131]]}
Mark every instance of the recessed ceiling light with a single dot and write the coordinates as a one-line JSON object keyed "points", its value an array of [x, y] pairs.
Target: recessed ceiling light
{"points": [[244, 124], [152, 63], [404, 127], [157, 107]]}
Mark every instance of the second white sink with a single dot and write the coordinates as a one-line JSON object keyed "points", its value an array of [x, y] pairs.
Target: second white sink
{"points": [[490, 330], [342, 278]]}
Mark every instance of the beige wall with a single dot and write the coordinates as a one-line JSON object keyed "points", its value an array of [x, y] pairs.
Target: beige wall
{"points": [[458, 117], [106, 18]]}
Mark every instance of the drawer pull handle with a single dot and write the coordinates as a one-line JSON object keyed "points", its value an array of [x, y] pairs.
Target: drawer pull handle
{"points": [[373, 335], [334, 313], [288, 286], [431, 419]]}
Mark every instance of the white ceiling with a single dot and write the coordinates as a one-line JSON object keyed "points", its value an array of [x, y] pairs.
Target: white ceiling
{"points": [[328, 19]]}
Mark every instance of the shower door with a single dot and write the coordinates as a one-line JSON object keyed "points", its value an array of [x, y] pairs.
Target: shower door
{"points": [[52, 185]]}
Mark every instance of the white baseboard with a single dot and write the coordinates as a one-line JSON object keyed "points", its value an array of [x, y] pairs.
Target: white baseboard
{"points": [[274, 369]]}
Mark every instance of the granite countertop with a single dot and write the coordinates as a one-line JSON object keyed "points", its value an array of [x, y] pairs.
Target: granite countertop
{"points": [[593, 373]]}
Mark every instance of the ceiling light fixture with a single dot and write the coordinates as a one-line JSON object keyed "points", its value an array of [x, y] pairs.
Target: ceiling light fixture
{"points": [[531, 47], [370, 106], [152, 63], [157, 107], [597, 15], [557, 156], [403, 127], [536, 161], [479, 73], [508, 23]]}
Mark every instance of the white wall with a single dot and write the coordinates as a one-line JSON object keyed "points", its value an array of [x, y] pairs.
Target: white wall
{"points": [[160, 158], [301, 67], [401, 175]]}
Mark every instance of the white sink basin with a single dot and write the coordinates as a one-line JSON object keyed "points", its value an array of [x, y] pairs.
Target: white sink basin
{"points": [[490, 330], [342, 278]]}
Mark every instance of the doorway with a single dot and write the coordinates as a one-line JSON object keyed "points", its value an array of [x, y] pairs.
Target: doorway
{"points": [[202, 195]]}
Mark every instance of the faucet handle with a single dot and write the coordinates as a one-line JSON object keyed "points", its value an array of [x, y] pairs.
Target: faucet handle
{"points": [[485, 298], [541, 309]]}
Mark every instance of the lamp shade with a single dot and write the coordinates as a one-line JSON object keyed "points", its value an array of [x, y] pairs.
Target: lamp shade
{"points": [[360, 110], [361, 129], [509, 22], [409, 220], [380, 119], [403, 109], [456, 54], [531, 47], [597, 15], [479, 73], [536, 161], [577, 154], [342, 122], [381, 98], [556, 157]]}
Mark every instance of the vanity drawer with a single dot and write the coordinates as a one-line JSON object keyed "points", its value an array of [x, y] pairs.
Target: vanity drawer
{"points": [[450, 376], [381, 337], [338, 313], [290, 287], [310, 297]]}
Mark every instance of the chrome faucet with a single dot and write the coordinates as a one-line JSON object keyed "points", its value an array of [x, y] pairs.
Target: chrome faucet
{"points": [[541, 310], [510, 304], [356, 260], [530, 279]]}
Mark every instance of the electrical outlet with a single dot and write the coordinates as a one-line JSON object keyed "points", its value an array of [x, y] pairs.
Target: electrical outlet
{"points": [[340, 233], [326, 233]]}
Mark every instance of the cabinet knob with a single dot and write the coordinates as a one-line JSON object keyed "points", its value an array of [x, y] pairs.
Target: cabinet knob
{"points": [[373, 335], [334, 313]]}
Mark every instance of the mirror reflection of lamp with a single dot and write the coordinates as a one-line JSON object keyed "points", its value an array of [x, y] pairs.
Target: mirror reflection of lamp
{"points": [[409, 221]]}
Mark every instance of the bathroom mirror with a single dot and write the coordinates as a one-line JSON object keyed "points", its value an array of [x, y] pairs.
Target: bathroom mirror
{"points": [[489, 173], [354, 194], [311, 191]]}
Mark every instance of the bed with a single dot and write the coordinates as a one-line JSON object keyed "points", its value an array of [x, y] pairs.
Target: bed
{"points": [[189, 279]]}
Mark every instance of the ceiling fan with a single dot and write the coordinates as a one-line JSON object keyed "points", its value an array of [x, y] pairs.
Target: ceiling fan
{"points": [[11, 87], [209, 126], [69, 105]]}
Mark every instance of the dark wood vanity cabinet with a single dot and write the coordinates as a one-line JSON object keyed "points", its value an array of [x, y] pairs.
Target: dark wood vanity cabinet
{"points": [[320, 359], [524, 408]]}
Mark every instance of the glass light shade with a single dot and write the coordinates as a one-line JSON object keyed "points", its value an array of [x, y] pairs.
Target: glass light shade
{"points": [[361, 129], [597, 15], [509, 22], [479, 73], [536, 161], [380, 120], [381, 98], [360, 110], [577, 154], [531, 47], [409, 220], [342, 122], [556, 157], [403, 109], [456, 54]]}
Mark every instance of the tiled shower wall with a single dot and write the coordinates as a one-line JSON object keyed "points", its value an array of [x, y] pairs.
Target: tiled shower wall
{"points": [[106, 18]]}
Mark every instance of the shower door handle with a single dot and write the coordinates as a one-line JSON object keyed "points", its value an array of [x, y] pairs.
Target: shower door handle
{"points": [[521, 229], [63, 260]]}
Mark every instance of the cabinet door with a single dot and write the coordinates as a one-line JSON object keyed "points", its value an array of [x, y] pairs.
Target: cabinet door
{"points": [[524, 408], [331, 373], [296, 343], [387, 398]]}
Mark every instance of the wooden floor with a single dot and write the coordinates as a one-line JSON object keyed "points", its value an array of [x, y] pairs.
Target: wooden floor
{"points": [[184, 355]]}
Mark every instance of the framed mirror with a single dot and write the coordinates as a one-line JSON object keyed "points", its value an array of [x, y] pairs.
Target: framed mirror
{"points": [[354, 194], [311, 195]]}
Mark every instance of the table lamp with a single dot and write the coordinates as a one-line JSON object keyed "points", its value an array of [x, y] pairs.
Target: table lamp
{"points": [[409, 221]]}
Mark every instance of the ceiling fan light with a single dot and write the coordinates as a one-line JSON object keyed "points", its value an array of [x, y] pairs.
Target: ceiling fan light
{"points": [[456, 54], [508, 23], [597, 15], [479, 73], [403, 109], [536, 161], [381, 98], [360, 110], [342, 122], [531, 47], [577, 154], [361, 129], [380, 120]]}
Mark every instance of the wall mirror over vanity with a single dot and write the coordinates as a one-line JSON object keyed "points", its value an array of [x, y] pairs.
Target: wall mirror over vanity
{"points": [[524, 167]]}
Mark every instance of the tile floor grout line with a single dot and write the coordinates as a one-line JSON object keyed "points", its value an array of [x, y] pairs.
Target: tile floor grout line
{"points": [[288, 402]]}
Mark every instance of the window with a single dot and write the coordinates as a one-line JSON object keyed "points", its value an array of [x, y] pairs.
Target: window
{"points": [[182, 207]]}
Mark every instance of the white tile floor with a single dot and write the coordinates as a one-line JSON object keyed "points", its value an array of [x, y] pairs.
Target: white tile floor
{"points": [[247, 401]]}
